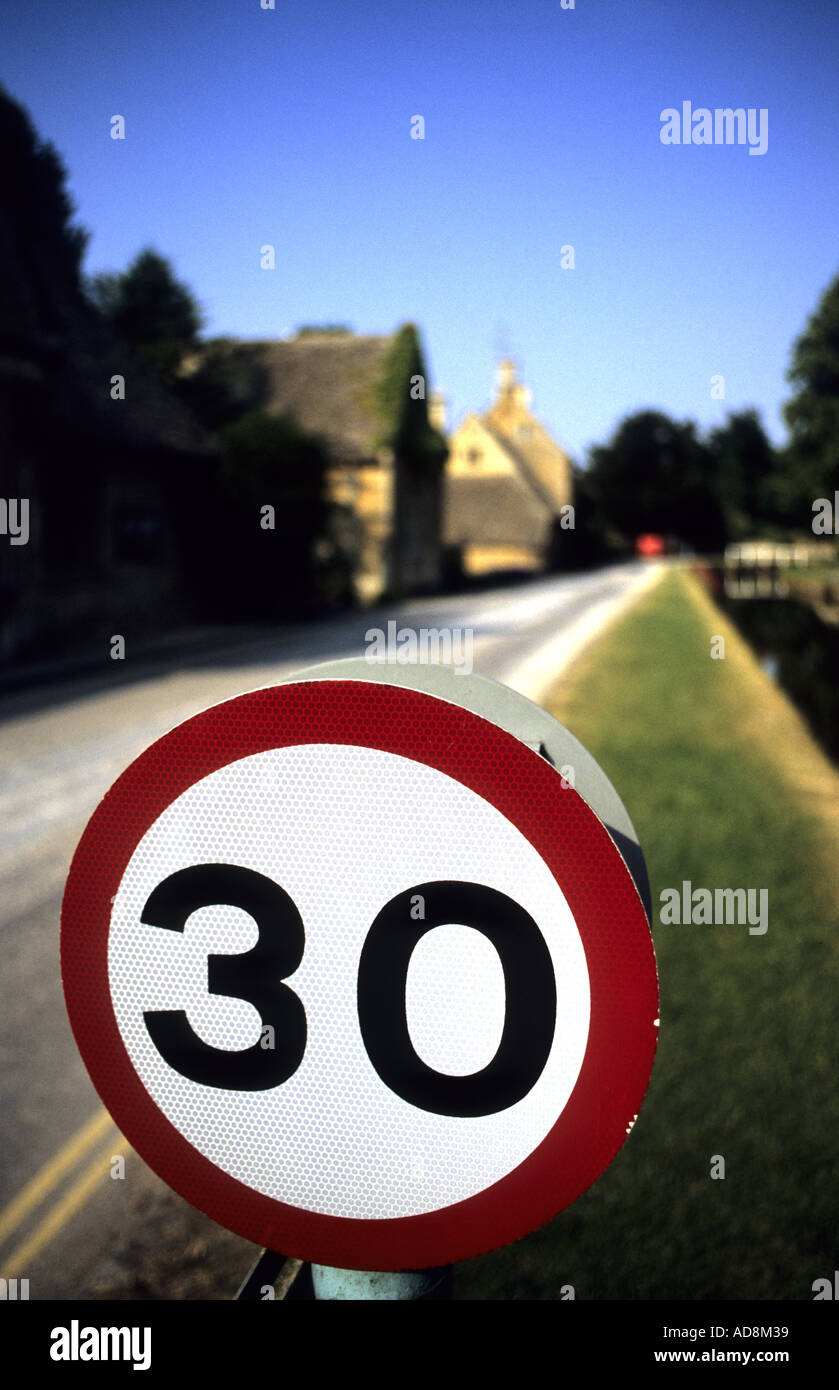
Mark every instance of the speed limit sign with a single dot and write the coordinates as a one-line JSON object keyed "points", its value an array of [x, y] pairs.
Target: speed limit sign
{"points": [[359, 974]]}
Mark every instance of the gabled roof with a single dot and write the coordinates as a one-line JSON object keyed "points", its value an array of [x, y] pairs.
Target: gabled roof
{"points": [[521, 507], [545, 465], [72, 364], [149, 418], [326, 382], [520, 459]]}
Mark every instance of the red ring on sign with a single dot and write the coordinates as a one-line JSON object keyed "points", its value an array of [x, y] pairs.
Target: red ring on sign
{"points": [[561, 827]]}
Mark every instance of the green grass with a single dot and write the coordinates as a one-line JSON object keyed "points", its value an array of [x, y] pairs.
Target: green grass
{"points": [[721, 783], [820, 573]]}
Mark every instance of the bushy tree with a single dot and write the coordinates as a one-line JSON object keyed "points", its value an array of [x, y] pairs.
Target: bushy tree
{"points": [[585, 543], [745, 468], [151, 310], [812, 460], [657, 476], [34, 203], [402, 406]]}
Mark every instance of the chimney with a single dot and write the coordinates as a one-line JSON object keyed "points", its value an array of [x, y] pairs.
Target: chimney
{"points": [[505, 379], [437, 411]]}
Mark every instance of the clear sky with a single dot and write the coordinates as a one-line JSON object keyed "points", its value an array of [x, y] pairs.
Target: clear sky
{"points": [[247, 126]]}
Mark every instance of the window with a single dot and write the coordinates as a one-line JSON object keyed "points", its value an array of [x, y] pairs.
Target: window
{"points": [[138, 534]]}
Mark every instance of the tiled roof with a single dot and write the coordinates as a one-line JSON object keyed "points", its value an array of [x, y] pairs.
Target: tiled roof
{"points": [[528, 443], [150, 417], [326, 382], [493, 511], [523, 464]]}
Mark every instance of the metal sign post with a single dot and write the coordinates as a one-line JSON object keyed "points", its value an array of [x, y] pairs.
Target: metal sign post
{"points": [[428, 1284], [275, 1277]]}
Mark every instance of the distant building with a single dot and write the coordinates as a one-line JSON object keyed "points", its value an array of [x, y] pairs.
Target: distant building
{"points": [[366, 398], [506, 484]]}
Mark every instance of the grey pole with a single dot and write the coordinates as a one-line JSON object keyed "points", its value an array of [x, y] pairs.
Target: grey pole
{"points": [[430, 1284], [277, 1276]]}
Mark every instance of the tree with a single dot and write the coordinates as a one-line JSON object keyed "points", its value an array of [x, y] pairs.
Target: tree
{"points": [[225, 380], [34, 204], [585, 543], [812, 461], [399, 401], [151, 310], [744, 467], [657, 476]]}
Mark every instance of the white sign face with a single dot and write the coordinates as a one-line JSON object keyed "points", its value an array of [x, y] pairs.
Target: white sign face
{"points": [[359, 974], [343, 830]]}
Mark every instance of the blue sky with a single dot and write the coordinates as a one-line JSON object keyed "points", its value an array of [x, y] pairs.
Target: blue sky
{"points": [[292, 127]]}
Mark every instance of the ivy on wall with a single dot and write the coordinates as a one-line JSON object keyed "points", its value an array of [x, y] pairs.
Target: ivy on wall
{"points": [[406, 428]]}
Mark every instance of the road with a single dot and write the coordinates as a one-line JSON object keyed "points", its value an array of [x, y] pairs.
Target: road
{"points": [[68, 1222]]}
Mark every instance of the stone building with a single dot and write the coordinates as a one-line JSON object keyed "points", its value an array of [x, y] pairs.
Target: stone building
{"points": [[365, 397], [109, 486], [508, 485]]}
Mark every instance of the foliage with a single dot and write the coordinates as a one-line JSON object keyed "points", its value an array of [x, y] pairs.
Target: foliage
{"points": [[263, 452], [586, 543], [744, 465], [266, 460], [657, 476], [813, 413], [33, 196], [311, 330], [225, 382], [404, 414], [151, 310]]}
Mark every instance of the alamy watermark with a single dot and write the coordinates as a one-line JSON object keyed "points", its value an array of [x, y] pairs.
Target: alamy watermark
{"points": [[82, 1343], [826, 1288], [14, 519], [826, 519], [717, 907], [408, 646], [725, 125], [13, 1289]]}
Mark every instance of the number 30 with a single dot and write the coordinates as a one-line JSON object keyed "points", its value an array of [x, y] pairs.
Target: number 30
{"points": [[257, 976]]}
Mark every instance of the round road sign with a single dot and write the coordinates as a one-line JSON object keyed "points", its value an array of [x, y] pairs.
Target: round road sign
{"points": [[358, 976]]}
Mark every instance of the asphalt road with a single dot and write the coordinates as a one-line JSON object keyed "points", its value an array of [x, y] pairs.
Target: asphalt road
{"points": [[66, 1224]]}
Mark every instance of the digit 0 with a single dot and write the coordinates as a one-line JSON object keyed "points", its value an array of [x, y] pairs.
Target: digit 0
{"points": [[530, 1011]]}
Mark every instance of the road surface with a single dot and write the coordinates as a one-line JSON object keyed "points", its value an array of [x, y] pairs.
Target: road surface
{"points": [[69, 1223]]}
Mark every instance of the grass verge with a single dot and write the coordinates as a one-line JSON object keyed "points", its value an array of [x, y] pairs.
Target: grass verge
{"points": [[726, 789]]}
